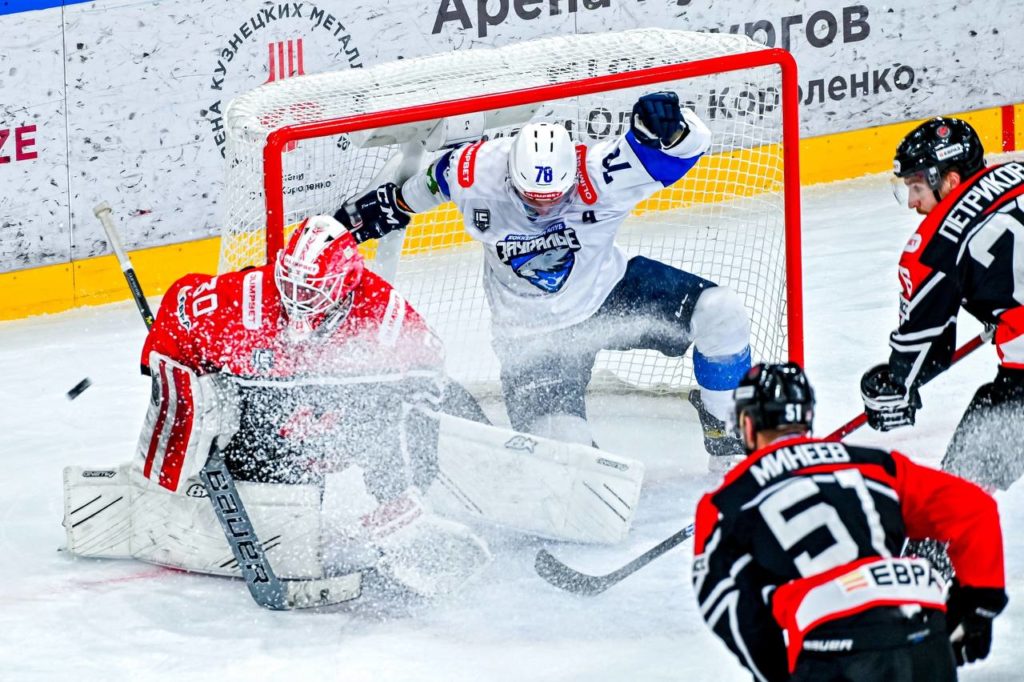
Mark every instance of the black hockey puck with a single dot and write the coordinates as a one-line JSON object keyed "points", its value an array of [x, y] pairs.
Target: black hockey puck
{"points": [[79, 388]]}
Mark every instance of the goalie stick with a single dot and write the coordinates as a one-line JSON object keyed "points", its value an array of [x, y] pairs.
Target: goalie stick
{"points": [[265, 587], [102, 211], [571, 580]]}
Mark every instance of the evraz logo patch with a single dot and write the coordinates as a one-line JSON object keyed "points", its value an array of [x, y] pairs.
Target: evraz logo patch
{"points": [[545, 260], [949, 152]]}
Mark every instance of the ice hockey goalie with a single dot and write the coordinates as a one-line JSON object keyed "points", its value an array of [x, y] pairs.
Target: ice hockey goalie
{"points": [[324, 388]]}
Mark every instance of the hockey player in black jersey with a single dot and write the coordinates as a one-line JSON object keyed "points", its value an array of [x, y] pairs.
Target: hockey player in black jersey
{"points": [[967, 253], [797, 564]]}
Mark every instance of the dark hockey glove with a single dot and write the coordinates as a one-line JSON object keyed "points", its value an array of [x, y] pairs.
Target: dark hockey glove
{"points": [[887, 402], [969, 614], [658, 121], [375, 214]]}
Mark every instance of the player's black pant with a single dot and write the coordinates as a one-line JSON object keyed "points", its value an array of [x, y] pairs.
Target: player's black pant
{"points": [[986, 446], [649, 308], [886, 647]]}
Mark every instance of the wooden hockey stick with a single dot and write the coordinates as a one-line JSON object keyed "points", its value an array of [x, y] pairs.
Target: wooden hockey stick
{"points": [[571, 580], [265, 587], [958, 355]]}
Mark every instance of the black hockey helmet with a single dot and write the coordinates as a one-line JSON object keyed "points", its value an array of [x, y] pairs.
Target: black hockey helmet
{"points": [[937, 146], [775, 396]]}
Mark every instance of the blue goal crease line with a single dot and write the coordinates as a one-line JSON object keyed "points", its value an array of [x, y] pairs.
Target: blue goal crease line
{"points": [[15, 6]]}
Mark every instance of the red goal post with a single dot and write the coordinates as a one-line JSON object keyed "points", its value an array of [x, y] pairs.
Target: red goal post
{"points": [[284, 131]]}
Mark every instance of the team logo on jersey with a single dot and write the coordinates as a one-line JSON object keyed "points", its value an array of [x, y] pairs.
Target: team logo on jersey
{"points": [[482, 219], [263, 359], [545, 260]]}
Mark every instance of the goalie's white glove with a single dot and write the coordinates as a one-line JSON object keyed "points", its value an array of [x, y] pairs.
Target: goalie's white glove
{"points": [[887, 403], [424, 553], [375, 214]]}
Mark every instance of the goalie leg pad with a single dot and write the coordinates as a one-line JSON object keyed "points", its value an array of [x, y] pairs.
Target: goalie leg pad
{"points": [[558, 490], [186, 412], [97, 511], [115, 514]]}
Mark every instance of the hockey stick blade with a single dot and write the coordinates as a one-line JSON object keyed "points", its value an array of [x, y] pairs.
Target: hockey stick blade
{"points": [[569, 579], [304, 594], [266, 588]]}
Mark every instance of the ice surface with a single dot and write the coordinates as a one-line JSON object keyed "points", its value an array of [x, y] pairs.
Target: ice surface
{"points": [[67, 619]]}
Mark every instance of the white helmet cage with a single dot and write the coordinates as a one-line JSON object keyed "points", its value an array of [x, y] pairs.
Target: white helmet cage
{"points": [[317, 273], [542, 165]]}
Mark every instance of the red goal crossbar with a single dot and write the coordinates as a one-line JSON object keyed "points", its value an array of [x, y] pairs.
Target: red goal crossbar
{"points": [[277, 140]]}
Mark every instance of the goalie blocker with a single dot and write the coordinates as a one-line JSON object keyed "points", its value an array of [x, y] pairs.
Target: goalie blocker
{"points": [[485, 474]]}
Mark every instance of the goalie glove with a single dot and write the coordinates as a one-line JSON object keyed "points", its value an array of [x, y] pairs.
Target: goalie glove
{"points": [[887, 403], [969, 614], [375, 214], [658, 121]]}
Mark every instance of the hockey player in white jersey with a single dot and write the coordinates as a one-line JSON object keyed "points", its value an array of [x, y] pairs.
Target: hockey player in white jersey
{"points": [[560, 290]]}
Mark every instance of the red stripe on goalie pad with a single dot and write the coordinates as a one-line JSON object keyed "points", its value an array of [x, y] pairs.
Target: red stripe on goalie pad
{"points": [[181, 431], [1010, 338], [154, 440]]}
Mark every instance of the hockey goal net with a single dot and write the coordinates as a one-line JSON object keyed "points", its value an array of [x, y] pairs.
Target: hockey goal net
{"points": [[302, 146]]}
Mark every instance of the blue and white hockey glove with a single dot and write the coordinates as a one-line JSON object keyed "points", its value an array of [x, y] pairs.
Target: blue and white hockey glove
{"points": [[887, 402], [375, 214], [658, 121]]}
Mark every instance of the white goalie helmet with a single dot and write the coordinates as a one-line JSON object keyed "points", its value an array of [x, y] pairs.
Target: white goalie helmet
{"points": [[542, 166]]}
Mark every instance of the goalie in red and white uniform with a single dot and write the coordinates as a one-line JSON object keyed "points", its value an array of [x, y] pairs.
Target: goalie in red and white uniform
{"points": [[560, 290], [305, 367], [324, 390]]}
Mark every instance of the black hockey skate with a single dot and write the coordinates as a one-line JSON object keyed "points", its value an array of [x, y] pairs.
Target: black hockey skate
{"points": [[723, 448]]}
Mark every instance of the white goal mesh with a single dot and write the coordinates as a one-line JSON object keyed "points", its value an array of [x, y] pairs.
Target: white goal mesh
{"points": [[726, 220]]}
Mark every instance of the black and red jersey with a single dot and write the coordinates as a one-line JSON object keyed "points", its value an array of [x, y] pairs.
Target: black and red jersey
{"points": [[969, 252], [806, 532]]}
